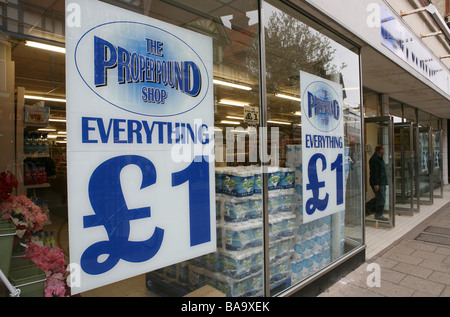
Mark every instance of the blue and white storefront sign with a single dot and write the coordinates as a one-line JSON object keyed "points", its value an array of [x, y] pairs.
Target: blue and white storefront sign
{"points": [[323, 147], [399, 40], [139, 143]]}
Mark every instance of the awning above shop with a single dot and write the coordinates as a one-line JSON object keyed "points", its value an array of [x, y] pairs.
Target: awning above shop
{"points": [[382, 75]]}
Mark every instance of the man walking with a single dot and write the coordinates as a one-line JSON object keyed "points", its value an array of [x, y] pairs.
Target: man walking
{"points": [[378, 182]]}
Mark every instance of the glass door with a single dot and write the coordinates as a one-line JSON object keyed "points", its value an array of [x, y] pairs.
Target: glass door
{"points": [[416, 168], [403, 166], [379, 131], [425, 167], [436, 139]]}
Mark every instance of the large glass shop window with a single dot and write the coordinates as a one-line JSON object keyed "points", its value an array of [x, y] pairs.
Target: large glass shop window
{"points": [[297, 249], [237, 267], [292, 45]]}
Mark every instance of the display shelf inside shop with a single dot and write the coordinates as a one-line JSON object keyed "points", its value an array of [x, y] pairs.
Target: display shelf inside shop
{"points": [[29, 125], [296, 249]]}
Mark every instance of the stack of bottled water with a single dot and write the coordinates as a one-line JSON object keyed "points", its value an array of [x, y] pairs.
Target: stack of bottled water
{"points": [[236, 268], [35, 143], [315, 242], [296, 249]]}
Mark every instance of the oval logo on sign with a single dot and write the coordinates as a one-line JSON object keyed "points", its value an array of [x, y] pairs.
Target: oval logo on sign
{"points": [[322, 107], [142, 69]]}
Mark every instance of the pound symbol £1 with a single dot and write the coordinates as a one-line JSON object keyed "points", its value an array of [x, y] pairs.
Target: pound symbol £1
{"points": [[314, 185], [111, 211]]}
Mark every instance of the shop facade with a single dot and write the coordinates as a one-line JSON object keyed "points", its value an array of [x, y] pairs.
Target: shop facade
{"points": [[287, 209]]}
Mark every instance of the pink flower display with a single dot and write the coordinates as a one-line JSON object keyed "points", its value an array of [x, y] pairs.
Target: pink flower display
{"points": [[51, 260], [24, 214], [28, 219], [55, 286]]}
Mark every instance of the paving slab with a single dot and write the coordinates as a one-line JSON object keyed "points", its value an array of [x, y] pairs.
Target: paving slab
{"points": [[409, 266]]}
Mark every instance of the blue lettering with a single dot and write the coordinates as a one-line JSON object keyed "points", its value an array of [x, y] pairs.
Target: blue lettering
{"points": [[154, 95], [314, 185], [148, 131], [197, 177], [320, 106], [132, 131], [117, 130], [308, 140], [111, 212], [123, 66], [85, 130], [134, 128], [101, 60], [154, 47], [133, 68], [104, 135], [190, 68], [204, 137]]}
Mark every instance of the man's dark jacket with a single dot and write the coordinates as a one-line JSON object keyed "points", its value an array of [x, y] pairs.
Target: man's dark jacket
{"points": [[377, 171]]}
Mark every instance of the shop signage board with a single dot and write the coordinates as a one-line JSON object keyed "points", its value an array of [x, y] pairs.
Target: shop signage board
{"points": [[251, 115], [139, 144], [322, 147], [399, 40]]}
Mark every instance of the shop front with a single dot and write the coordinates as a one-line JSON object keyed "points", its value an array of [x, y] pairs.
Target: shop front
{"points": [[414, 164], [278, 95]]}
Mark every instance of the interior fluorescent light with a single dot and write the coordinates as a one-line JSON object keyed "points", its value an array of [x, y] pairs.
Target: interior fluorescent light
{"points": [[288, 97], [297, 113], [239, 131], [236, 118], [229, 122], [44, 98], [47, 47], [233, 103], [47, 129], [62, 132], [57, 120], [278, 122], [224, 83]]}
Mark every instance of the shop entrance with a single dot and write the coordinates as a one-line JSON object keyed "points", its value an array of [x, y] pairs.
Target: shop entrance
{"points": [[404, 157], [425, 174], [379, 130], [436, 138]]}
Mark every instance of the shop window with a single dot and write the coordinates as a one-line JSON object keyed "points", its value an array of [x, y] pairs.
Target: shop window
{"points": [[293, 43], [372, 103]]}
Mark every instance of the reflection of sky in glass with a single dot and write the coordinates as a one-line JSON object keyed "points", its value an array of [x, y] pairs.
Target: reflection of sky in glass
{"points": [[252, 15], [350, 73]]}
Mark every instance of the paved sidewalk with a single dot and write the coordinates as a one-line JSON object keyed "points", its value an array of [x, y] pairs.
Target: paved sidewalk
{"points": [[416, 265]]}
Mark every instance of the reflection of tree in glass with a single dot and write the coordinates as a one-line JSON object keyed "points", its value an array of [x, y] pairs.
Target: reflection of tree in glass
{"points": [[292, 46]]}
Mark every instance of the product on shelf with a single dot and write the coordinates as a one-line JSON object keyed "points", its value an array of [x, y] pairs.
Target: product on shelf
{"points": [[296, 249], [35, 143], [34, 172]]}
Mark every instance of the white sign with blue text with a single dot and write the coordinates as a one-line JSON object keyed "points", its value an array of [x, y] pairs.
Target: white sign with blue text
{"points": [[322, 147], [139, 143], [398, 39]]}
